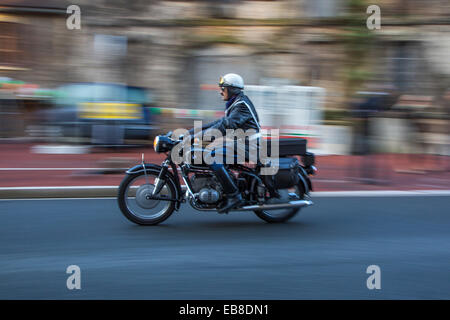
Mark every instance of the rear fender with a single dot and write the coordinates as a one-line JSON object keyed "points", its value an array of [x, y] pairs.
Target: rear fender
{"points": [[305, 180]]}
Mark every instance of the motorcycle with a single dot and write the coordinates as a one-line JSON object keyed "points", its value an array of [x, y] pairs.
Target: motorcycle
{"points": [[150, 193]]}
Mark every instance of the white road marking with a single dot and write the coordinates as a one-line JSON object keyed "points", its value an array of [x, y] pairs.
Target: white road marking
{"points": [[380, 193], [59, 188], [332, 181], [60, 169], [40, 199], [317, 194]]}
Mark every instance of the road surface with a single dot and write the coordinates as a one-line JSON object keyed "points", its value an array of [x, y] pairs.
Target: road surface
{"points": [[323, 253]]}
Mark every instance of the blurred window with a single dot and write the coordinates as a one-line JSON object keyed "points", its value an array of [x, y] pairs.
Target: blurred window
{"points": [[204, 73], [10, 51], [322, 8], [137, 95], [73, 94], [110, 47], [104, 92], [407, 66]]}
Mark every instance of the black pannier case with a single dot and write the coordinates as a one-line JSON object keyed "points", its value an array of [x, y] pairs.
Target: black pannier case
{"points": [[288, 146], [287, 175]]}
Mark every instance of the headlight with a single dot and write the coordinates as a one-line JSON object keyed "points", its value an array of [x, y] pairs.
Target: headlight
{"points": [[155, 143], [163, 144]]}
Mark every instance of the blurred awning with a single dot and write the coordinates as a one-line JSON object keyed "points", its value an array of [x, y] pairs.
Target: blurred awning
{"points": [[23, 90]]}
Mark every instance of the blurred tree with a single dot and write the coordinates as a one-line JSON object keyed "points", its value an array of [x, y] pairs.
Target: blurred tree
{"points": [[358, 40]]}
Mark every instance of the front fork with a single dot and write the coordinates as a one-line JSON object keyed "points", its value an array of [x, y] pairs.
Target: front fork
{"points": [[161, 180]]}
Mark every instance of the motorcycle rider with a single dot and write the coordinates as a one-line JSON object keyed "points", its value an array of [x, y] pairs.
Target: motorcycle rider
{"points": [[239, 114]]}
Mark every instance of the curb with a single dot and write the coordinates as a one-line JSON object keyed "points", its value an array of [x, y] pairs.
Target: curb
{"points": [[58, 192], [380, 193], [111, 192]]}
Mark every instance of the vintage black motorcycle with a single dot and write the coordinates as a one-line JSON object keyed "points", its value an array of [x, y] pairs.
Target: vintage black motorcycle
{"points": [[150, 193]]}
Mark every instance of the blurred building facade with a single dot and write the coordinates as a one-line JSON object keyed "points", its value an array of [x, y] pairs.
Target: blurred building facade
{"points": [[180, 48]]}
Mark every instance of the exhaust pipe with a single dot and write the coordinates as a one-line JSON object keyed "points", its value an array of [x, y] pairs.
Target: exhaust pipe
{"points": [[290, 204]]}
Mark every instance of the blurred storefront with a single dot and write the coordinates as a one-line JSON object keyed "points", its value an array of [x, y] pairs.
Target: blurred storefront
{"points": [[180, 48], [176, 47]]}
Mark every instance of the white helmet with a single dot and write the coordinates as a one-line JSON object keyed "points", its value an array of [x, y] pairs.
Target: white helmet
{"points": [[232, 80]]}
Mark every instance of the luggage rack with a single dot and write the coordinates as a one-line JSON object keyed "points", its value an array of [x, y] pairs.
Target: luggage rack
{"points": [[288, 147]]}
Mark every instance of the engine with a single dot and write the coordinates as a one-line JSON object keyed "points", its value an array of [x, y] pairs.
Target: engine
{"points": [[207, 188]]}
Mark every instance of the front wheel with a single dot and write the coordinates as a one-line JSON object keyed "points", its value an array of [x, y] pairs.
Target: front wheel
{"points": [[134, 203]]}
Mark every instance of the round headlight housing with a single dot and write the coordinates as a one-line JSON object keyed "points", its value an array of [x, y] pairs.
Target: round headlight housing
{"points": [[162, 144]]}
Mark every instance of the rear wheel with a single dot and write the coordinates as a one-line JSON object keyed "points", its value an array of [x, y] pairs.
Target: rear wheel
{"points": [[281, 215], [134, 203]]}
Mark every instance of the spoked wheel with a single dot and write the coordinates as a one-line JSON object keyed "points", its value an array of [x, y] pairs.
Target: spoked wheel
{"points": [[282, 215], [134, 202]]}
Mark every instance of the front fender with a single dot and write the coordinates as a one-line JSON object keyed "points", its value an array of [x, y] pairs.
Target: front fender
{"points": [[170, 178], [139, 168]]}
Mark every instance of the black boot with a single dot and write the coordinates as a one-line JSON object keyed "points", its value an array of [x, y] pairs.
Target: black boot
{"points": [[234, 197]]}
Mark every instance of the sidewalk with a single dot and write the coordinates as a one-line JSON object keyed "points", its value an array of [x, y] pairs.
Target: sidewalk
{"points": [[21, 167]]}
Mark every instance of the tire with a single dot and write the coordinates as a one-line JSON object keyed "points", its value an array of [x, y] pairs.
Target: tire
{"points": [[287, 214], [265, 215], [124, 203]]}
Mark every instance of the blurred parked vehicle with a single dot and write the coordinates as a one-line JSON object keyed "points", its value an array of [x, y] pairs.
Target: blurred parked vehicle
{"points": [[102, 113]]}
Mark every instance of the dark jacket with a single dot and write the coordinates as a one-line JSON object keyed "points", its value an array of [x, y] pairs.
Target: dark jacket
{"points": [[240, 114]]}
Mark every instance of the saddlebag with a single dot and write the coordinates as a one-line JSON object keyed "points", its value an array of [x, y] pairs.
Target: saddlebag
{"points": [[286, 177]]}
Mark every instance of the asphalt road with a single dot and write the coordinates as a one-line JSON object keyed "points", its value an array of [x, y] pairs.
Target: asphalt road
{"points": [[323, 253]]}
